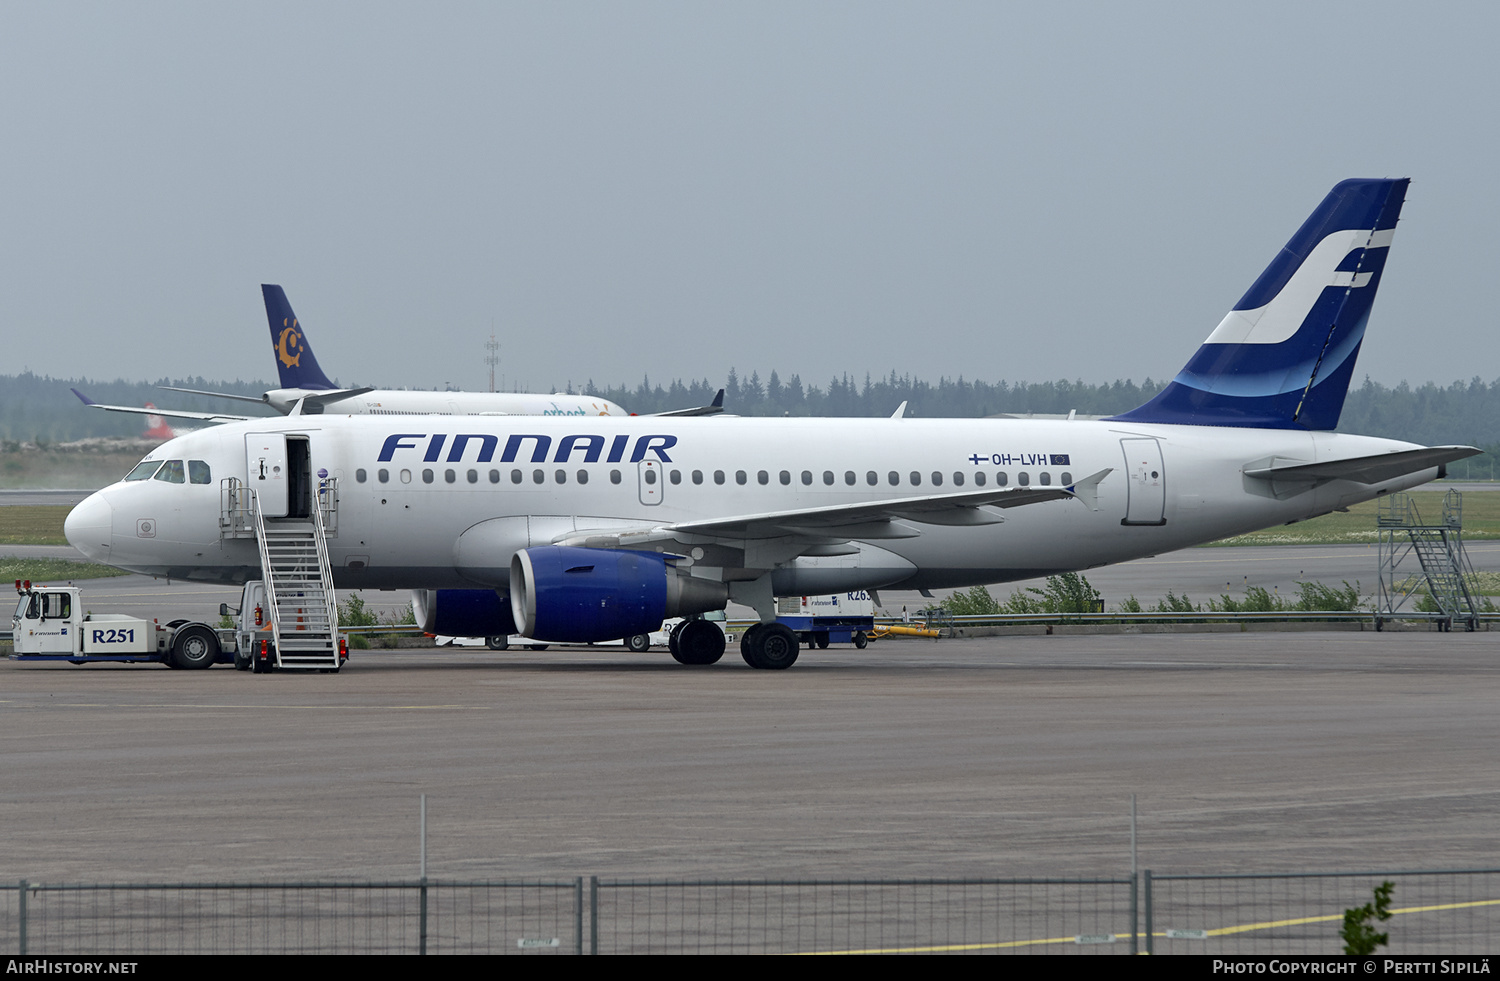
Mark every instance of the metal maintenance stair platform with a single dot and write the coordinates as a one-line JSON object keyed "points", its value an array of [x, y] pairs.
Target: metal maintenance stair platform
{"points": [[299, 590], [1439, 548]]}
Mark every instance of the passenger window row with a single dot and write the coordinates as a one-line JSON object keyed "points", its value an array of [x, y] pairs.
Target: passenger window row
{"points": [[784, 477]]}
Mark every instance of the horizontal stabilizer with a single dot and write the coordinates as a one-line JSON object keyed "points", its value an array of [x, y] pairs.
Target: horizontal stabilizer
{"points": [[712, 408], [1366, 469], [322, 399], [258, 399]]}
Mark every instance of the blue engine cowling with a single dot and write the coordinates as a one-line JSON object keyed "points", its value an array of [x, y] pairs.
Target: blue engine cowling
{"points": [[567, 594], [463, 612]]}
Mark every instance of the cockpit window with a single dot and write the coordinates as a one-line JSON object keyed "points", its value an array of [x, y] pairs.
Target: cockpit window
{"points": [[172, 473], [143, 470], [198, 472]]}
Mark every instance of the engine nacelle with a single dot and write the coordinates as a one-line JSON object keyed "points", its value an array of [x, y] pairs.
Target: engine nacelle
{"points": [[583, 595], [462, 612]]}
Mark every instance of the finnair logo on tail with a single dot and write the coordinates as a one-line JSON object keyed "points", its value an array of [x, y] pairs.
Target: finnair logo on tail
{"points": [[1280, 318]]}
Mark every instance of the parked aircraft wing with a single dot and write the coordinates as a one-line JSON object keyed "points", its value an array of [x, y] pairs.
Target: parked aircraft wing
{"points": [[202, 416], [1366, 469]]}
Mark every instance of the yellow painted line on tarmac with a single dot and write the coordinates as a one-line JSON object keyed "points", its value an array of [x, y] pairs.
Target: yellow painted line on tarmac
{"points": [[1246, 928], [1219, 932], [1428, 909], [942, 948]]}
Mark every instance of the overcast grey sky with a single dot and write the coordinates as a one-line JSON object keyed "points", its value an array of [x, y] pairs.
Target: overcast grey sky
{"points": [[996, 190]]}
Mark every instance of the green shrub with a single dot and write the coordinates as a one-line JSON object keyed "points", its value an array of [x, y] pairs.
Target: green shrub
{"points": [[1257, 600], [972, 602], [1314, 596], [352, 613], [1176, 604], [1358, 933]]}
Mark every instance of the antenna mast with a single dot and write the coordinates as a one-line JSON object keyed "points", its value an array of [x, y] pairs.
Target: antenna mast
{"points": [[492, 358]]}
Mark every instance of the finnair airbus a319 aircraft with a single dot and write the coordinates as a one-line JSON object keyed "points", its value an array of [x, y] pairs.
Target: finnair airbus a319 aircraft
{"points": [[576, 530]]}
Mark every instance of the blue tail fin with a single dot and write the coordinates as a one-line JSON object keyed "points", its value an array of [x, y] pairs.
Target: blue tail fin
{"points": [[1283, 357], [294, 357]]}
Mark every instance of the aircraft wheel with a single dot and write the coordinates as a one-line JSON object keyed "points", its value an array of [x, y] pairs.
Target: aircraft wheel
{"points": [[195, 647], [674, 639], [499, 642], [638, 643], [749, 643], [821, 639], [860, 640], [699, 643], [773, 647], [537, 647]]}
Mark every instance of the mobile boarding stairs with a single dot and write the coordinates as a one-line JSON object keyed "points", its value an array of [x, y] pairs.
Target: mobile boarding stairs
{"points": [[294, 564]]}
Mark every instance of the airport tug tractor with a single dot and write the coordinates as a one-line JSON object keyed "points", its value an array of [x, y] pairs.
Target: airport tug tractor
{"points": [[49, 624]]}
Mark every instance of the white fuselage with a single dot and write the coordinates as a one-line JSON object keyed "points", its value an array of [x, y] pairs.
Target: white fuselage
{"points": [[402, 520], [406, 402]]}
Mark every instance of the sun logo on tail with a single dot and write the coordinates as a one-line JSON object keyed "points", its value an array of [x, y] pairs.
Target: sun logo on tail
{"points": [[289, 346]]}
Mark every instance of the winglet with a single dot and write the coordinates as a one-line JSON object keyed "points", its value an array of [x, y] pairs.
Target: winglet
{"points": [[900, 411], [1087, 489], [82, 397], [295, 362]]}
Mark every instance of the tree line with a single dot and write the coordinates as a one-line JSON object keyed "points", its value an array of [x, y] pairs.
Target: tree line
{"points": [[41, 409]]}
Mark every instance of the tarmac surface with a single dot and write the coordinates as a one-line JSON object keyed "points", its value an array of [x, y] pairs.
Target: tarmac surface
{"points": [[995, 756], [1199, 573]]}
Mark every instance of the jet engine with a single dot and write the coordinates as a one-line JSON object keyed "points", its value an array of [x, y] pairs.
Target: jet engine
{"points": [[462, 612], [582, 595]]}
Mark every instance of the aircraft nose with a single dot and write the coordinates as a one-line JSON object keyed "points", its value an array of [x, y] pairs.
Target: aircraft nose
{"points": [[89, 527]]}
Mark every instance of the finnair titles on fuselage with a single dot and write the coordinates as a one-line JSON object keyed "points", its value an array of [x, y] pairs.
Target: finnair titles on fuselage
{"points": [[591, 529]]}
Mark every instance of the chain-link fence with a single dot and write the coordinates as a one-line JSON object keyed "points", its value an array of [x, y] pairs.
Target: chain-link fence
{"points": [[1431, 912], [866, 916], [416, 917]]}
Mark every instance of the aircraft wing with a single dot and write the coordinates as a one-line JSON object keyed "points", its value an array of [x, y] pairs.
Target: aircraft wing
{"points": [[806, 528], [1365, 469], [712, 408], [137, 410]]}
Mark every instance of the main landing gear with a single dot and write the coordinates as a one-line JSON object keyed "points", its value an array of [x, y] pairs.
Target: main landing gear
{"points": [[696, 642], [770, 646]]}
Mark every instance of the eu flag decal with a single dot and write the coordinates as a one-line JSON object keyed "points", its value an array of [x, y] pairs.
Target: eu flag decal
{"points": [[1060, 460]]}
